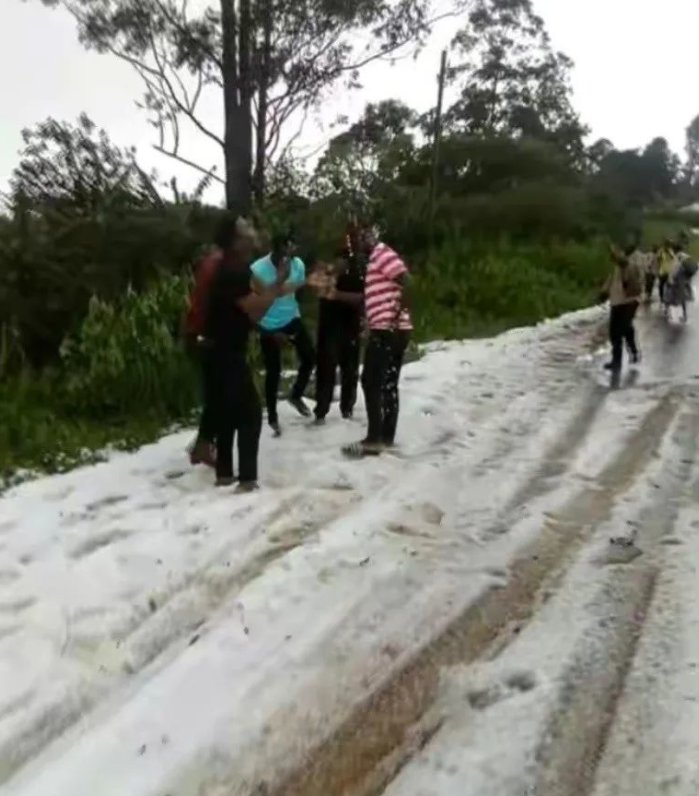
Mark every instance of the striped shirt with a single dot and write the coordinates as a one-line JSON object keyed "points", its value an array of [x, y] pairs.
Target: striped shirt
{"points": [[383, 292]]}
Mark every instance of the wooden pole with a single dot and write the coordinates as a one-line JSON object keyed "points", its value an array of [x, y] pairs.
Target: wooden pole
{"points": [[437, 142]]}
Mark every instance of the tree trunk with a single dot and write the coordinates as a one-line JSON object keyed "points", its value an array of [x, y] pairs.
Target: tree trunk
{"points": [[236, 101], [263, 88]]}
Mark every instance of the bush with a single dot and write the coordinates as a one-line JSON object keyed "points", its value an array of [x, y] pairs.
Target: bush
{"points": [[126, 358], [465, 289]]}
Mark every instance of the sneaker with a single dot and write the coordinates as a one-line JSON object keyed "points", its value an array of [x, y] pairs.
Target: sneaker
{"points": [[300, 406], [319, 421], [636, 358], [246, 487], [347, 415]]}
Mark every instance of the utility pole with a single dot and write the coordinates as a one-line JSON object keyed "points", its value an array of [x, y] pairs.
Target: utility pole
{"points": [[437, 142]]}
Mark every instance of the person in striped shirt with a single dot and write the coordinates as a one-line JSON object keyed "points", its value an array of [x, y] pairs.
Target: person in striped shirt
{"points": [[389, 323]]}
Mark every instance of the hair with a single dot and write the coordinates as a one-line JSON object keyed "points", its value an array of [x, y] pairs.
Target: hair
{"points": [[227, 232]]}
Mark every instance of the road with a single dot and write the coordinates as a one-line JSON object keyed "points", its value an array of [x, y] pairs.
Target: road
{"points": [[507, 605]]}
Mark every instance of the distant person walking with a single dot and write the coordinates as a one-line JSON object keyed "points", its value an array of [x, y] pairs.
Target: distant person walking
{"points": [[624, 290], [679, 287], [651, 273], [232, 310], [339, 331], [666, 264], [389, 323], [282, 325]]}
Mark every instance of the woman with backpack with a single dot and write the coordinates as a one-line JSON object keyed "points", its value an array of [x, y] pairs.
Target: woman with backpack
{"points": [[678, 291]]}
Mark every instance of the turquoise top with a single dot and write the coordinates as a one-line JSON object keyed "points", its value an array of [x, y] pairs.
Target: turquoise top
{"points": [[285, 309]]}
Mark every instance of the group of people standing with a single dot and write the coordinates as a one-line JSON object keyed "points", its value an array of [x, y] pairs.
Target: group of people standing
{"points": [[235, 294], [633, 280]]}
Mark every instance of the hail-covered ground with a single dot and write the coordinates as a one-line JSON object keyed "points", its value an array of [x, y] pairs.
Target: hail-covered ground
{"points": [[508, 604]]}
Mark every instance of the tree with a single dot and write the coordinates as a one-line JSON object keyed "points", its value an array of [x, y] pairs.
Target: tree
{"points": [[661, 168], [512, 81], [693, 154], [83, 219], [77, 166], [272, 60], [360, 162]]}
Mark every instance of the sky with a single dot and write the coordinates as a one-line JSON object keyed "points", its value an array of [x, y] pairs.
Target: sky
{"points": [[634, 78]]}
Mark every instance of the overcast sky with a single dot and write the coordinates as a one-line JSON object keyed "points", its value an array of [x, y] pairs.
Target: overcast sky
{"points": [[635, 77]]}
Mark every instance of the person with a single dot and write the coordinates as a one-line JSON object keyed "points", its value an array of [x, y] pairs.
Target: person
{"points": [[679, 287], [203, 450], [282, 324], [624, 288], [389, 323], [651, 273], [339, 332], [666, 262], [232, 309]]}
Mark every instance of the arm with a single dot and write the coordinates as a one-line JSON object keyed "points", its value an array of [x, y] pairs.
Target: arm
{"points": [[255, 304], [354, 299]]}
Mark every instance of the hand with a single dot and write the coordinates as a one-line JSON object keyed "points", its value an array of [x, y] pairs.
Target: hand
{"points": [[283, 272]]}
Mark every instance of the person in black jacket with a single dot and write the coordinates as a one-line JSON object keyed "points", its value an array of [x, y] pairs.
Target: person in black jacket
{"points": [[233, 309], [340, 314]]}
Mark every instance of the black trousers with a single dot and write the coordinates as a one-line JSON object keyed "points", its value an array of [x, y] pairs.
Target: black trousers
{"points": [[238, 413], [382, 365], [663, 279], [621, 330], [339, 345], [298, 336]]}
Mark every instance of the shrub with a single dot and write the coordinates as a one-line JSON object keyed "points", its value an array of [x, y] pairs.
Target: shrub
{"points": [[125, 356]]}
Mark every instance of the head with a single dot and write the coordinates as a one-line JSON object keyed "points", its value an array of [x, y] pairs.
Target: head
{"points": [[237, 239], [283, 247], [368, 236]]}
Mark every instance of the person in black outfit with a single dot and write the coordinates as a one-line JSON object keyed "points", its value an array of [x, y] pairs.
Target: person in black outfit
{"points": [[339, 336], [232, 310]]}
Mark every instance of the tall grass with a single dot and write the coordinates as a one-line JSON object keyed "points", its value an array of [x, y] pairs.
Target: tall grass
{"points": [[464, 289]]}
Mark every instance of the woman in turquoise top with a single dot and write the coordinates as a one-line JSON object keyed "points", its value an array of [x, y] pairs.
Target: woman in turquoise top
{"points": [[282, 324]]}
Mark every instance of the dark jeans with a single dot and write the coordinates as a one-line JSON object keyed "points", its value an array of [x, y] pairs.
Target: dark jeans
{"points": [[621, 330], [298, 336], [238, 412], [663, 279], [338, 346], [382, 365]]}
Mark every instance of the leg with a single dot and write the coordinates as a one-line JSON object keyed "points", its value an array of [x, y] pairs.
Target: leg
{"points": [[304, 349], [249, 426], [203, 451], [350, 347], [224, 408], [372, 383], [326, 366], [616, 335], [207, 431], [630, 331], [391, 392], [273, 367]]}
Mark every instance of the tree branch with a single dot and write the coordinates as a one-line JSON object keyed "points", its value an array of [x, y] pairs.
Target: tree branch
{"points": [[209, 173]]}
